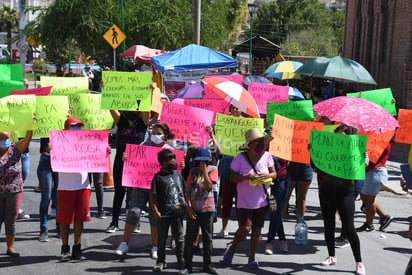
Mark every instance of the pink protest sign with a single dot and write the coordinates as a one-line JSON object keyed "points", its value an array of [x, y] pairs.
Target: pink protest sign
{"points": [[187, 123], [79, 151], [264, 93], [209, 104], [36, 91], [142, 164]]}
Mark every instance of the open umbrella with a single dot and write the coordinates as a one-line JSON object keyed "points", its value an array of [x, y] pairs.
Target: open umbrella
{"points": [[295, 94], [358, 113], [233, 93], [254, 78], [193, 91], [283, 70], [141, 53], [336, 68]]}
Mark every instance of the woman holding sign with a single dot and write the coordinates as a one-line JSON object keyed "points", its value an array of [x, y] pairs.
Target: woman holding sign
{"points": [[11, 184]]}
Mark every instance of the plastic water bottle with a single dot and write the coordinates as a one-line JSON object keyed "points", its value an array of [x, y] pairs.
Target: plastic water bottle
{"points": [[301, 232]]}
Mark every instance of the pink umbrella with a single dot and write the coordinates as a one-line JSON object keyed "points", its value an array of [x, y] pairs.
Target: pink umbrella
{"points": [[358, 113], [141, 53]]}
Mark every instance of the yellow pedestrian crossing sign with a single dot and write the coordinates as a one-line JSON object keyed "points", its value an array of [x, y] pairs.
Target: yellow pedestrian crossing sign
{"points": [[114, 36]]}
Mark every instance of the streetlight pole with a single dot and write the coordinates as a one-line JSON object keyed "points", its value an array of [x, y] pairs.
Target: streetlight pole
{"points": [[124, 43], [252, 8]]}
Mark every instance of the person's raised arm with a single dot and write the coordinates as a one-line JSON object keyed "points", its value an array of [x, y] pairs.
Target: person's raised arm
{"points": [[23, 144], [146, 118], [116, 116], [216, 145]]}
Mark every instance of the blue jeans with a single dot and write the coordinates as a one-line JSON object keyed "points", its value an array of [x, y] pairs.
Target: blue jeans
{"points": [[280, 190], [25, 165], [46, 178]]}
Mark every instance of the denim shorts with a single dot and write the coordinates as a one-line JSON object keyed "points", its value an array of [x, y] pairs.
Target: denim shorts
{"points": [[374, 180], [300, 172]]}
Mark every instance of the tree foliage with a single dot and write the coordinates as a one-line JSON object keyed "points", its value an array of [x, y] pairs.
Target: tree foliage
{"points": [[9, 21]]}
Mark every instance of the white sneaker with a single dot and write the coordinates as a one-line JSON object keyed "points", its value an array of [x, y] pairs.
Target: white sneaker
{"points": [[53, 213], [22, 215], [360, 269], [154, 253], [268, 249], [122, 249], [283, 246], [222, 234], [329, 261]]}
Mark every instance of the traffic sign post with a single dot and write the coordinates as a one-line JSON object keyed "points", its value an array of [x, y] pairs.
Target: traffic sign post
{"points": [[114, 36]]}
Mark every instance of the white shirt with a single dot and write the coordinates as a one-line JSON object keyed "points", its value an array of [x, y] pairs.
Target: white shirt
{"points": [[73, 181]]}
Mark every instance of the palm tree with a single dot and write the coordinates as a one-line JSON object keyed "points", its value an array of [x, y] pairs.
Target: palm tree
{"points": [[9, 21]]}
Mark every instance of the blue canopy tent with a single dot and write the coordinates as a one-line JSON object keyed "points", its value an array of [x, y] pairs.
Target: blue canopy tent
{"points": [[192, 57]]}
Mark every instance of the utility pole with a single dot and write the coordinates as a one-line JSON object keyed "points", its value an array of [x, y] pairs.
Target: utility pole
{"points": [[197, 10], [22, 25]]}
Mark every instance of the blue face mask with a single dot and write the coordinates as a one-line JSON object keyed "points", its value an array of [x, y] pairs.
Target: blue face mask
{"points": [[75, 127], [5, 143]]}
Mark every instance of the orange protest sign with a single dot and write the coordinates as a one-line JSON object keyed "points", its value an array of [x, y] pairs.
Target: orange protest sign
{"points": [[291, 138], [156, 99], [404, 132], [376, 143]]}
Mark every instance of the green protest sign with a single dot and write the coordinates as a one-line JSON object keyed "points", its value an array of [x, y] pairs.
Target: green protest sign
{"points": [[65, 85], [382, 97], [51, 112], [86, 107], [11, 78], [296, 110], [230, 131], [330, 128], [16, 113], [339, 155], [126, 91]]}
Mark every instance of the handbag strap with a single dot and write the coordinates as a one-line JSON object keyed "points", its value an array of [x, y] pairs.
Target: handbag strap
{"points": [[254, 169]]}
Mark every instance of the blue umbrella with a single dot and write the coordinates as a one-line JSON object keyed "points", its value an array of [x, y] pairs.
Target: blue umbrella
{"points": [[295, 94]]}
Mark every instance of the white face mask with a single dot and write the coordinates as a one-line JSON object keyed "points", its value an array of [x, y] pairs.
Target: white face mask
{"points": [[156, 139]]}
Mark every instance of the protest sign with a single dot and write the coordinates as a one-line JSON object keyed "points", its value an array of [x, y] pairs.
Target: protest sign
{"points": [[65, 85], [216, 106], [404, 132], [291, 138], [376, 143], [128, 91], [36, 91], [187, 123], [142, 164], [86, 107], [339, 155], [16, 113], [230, 131], [298, 110], [407, 175], [79, 151], [51, 112], [382, 97], [263, 93], [11, 78], [410, 157], [330, 128]]}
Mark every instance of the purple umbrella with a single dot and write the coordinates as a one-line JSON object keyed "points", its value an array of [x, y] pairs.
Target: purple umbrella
{"points": [[191, 91]]}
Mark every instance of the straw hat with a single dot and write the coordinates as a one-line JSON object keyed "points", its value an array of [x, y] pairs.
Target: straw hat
{"points": [[254, 134]]}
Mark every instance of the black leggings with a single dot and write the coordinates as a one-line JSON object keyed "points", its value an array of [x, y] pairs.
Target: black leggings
{"points": [[339, 196], [119, 190]]}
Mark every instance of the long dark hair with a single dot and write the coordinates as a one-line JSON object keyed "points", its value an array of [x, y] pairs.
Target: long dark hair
{"points": [[165, 129]]}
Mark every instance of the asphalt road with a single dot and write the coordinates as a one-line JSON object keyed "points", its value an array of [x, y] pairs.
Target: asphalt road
{"points": [[382, 252]]}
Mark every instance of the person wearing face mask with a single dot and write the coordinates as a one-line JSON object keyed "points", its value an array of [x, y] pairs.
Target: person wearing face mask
{"points": [[252, 203], [140, 197], [131, 129], [11, 184]]}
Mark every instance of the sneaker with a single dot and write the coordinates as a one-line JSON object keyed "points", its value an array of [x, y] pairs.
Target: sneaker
{"points": [[253, 264], [122, 249], [365, 227], [37, 189], [341, 242], [283, 246], [22, 215], [111, 229], [228, 256], [159, 267], [137, 228], [208, 269], [77, 254], [222, 234], [53, 213], [65, 254], [153, 253], [360, 269], [44, 236], [101, 215], [268, 249], [385, 222], [331, 260]]}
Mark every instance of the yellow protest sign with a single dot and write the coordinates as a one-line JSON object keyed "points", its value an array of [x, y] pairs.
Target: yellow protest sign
{"points": [[114, 36], [86, 107], [128, 91], [16, 113], [230, 131], [65, 85], [51, 112]]}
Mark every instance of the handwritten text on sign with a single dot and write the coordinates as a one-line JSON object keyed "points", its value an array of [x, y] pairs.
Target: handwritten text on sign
{"points": [[51, 112], [187, 123], [36, 91], [340, 155], [16, 113], [298, 110], [404, 132], [291, 138], [127, 91], [376, 143], [65, 85], [216, 106], [230, 131], [79, 151], [142, 164], [382, 97], [263, 93]]}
